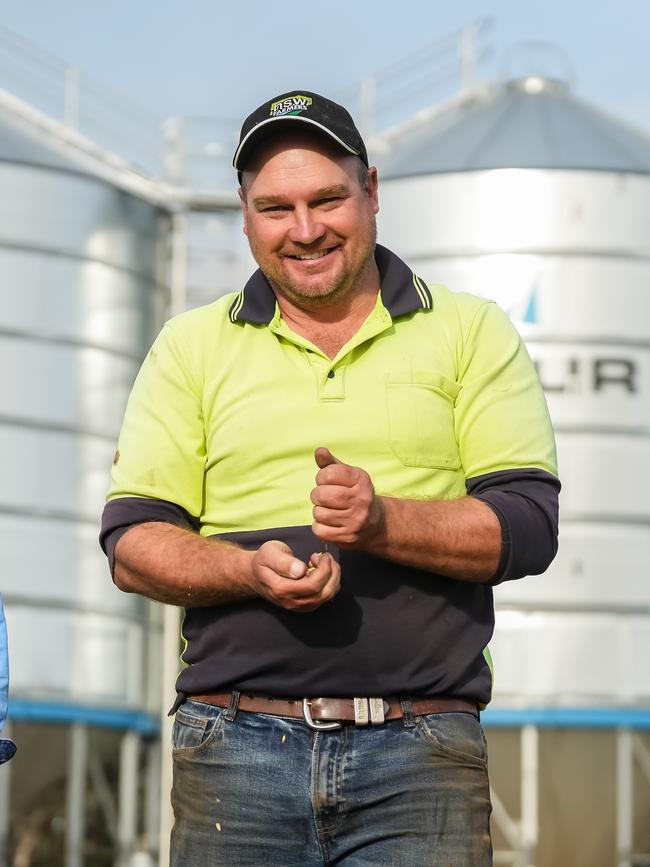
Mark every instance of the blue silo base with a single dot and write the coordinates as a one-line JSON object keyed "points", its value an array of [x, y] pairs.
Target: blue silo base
{"points": [[567, 717], [26, 710]]}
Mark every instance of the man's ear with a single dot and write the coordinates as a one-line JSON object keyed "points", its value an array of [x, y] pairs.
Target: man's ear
{"points": [[373, 188], [244, 208]]}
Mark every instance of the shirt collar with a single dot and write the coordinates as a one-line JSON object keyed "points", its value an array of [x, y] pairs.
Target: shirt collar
{"points": [[402, 292]]}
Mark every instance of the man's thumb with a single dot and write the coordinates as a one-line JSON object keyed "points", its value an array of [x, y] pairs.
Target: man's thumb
{"points": [[324, 458]]}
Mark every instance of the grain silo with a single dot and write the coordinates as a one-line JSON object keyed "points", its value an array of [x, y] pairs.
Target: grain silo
{"points": [[82, 295], [526, 194]]}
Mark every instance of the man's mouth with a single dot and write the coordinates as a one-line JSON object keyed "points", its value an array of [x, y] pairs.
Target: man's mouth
{"points": [[308, 257]]}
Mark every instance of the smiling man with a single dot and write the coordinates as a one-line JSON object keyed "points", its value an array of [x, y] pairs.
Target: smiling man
{"points": [[329, 470]]}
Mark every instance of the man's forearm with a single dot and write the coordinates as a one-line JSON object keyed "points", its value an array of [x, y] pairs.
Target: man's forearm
{"points": [[458, 538], [170, 564]]}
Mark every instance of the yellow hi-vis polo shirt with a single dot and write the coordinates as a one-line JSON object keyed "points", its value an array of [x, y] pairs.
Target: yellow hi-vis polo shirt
{"points": [[434, 390]]}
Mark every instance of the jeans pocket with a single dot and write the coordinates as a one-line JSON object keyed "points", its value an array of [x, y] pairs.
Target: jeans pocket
{"points": [[194, 731], [456, 735]]}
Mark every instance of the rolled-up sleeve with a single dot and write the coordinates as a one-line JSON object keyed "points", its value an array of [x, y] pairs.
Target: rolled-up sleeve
{"points": [[506, 442], [125, 512], [526, 503]]}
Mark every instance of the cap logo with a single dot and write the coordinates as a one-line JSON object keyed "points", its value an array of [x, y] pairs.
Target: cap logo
{"points": [[291, 105]]}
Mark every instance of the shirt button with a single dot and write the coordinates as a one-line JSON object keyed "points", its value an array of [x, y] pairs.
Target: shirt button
{"points": [[330, 375]]}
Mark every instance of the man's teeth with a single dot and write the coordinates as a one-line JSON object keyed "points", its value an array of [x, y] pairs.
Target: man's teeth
{"points": [[312, 255]]}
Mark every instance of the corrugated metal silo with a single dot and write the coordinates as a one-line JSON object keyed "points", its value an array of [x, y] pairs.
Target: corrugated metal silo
{"points": [[82, 296], [528, 195]]}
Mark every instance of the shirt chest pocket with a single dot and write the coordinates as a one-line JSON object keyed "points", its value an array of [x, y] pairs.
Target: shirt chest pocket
{"points": [[421, 419]]}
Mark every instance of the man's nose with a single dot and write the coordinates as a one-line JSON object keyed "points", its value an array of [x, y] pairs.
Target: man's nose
{"points": [[305, 229]]}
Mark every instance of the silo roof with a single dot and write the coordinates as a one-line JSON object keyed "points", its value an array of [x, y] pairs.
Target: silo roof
{"points": [[529, 123]]}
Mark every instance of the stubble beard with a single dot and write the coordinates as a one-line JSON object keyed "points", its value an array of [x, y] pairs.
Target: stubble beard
{"points": [[314, 296]]}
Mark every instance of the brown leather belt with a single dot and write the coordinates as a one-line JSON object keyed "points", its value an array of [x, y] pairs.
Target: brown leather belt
{"points": [[328, 713]]}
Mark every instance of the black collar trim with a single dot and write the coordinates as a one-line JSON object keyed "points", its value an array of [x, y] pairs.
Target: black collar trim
{"points": [[402, 292]]}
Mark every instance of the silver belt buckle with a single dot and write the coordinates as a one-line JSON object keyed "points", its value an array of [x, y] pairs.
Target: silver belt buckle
{"points": [[316, 724]]}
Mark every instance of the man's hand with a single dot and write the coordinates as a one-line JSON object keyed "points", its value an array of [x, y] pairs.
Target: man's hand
{"points": [[346, 510], [286, 581]]}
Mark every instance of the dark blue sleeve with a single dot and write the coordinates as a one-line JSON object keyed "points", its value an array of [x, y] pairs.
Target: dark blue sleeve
{"points": [[526, 503], [125, 512]]}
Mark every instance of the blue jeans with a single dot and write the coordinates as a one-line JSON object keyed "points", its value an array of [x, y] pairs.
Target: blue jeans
{"points": [[264, 791]]}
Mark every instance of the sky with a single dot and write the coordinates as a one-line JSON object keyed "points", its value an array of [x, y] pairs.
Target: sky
{"points": [[217, 59], [210, 59]]}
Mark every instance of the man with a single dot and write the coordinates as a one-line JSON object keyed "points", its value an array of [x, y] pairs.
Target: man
{"points": [[329, 470]]}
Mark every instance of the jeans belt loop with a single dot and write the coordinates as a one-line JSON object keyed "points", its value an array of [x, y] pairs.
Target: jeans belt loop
{"points": [[361, 712], [180, 699], [407, 709], [369, 711], [231, 710]]}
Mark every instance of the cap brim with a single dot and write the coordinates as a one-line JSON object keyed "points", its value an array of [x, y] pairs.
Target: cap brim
{"points": [[262, 131]]}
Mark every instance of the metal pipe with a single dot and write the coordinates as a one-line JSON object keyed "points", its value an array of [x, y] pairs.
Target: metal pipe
{"points": [[367, 99], [529, 794], [152, 796], [624, 797], [127, 807], [75, 805], [71, 98], [178, 275], [104, 793], [468, 55]]}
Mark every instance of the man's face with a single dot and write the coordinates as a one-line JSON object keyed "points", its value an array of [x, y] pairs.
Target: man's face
{"points": [[309, 221]]}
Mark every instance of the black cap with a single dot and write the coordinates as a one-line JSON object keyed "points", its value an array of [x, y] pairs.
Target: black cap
{"points": [[296, 108]]}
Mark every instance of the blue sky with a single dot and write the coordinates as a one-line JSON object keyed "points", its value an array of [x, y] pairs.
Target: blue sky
{"points": [[222, 59]]}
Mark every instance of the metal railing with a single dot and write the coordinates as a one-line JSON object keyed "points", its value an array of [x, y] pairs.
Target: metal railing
{"points": [[62, 92], [427, 75], [198, 150], [195, 152]]}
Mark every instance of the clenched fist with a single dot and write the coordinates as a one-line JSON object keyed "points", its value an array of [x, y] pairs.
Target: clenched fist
{"points": [[346, 510]]}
